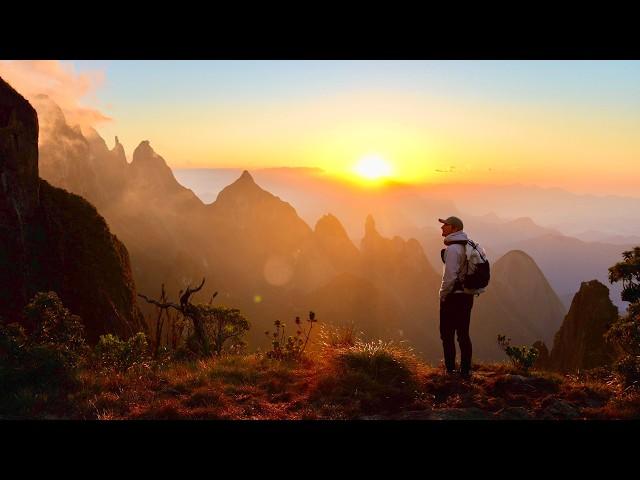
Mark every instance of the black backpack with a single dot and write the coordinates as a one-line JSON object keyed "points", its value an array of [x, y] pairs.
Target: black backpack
{"points": [[479, 275]]}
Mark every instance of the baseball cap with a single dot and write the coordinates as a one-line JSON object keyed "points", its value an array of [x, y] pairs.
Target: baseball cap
{"points": [[453, 221]]}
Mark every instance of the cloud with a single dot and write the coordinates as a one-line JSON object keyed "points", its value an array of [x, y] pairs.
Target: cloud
{"points": [[61, 83]]}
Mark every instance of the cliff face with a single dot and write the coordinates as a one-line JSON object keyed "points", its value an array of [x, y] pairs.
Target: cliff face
{"points": [[19, 193], [53, 240], [579, 344]]}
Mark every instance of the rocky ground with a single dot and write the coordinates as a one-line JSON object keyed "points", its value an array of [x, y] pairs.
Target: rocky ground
{"points": [[342, 385]]}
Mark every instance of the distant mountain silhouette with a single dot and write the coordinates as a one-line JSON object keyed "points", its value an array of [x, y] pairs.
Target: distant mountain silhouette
{"points": [[567, 212], [579, 343], [412, 212], [153, 181], [519, 303], [603, 237], [54, 240], [262, 257], [327, 252], [313, 192], [567, 261]]}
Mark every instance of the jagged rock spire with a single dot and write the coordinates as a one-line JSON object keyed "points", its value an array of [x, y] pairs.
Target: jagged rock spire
{"points": [[246, 177], [370, 226]]}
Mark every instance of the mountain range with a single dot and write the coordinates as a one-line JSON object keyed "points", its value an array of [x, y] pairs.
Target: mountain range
{"points": [[565, 257], [262, 256]]}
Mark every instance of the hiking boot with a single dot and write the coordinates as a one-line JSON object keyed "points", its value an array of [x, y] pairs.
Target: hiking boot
{"points": [[465, 375]]}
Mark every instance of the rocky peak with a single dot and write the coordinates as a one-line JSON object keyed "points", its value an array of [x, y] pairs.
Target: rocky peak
{"points": [[151, 170], [514, 262], [244, 190], [144, 155], [580, 344], [333, 240], [118, 152], [329, 226], [246, 177], [49, 112], [370, 227]]}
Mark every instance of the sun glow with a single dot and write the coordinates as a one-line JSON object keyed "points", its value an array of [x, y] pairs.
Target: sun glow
{"points": [[373, 167]]}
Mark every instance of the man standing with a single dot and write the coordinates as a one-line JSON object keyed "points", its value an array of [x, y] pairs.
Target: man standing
{"points": [[455, 304]]}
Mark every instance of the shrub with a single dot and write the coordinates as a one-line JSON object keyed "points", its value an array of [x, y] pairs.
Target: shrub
{"points": [[291, 347], [223, 329], [368, 377], [628, 367], [43, 363], [625, 333], [523, 357], [111, 353], [56, 328], [382, 361], [224, 324]]}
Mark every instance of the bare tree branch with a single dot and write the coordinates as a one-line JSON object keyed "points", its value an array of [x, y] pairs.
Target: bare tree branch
{"points": [[184, 299], [158, 304]]}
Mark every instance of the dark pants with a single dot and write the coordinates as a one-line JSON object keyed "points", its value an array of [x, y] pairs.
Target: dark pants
{"points": [[455, 316]]}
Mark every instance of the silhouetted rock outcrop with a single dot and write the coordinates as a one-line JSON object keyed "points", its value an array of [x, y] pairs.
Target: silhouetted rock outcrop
{"points": [[325, 254], [333, 241], [580, 344], [542, 362], [153, 180], [19, 197], [54, 240]]}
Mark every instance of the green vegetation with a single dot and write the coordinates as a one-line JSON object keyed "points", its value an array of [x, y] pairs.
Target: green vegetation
{"points": [[40, 365], [210, 326], [625, 333], [522, 357], [50, 373], [111, 353]]}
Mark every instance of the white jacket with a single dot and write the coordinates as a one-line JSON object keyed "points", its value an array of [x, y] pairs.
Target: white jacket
{"points": [[454, 263]]}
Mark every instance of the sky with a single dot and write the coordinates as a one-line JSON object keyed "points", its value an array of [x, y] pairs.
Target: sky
{"points": [[568, 124]]}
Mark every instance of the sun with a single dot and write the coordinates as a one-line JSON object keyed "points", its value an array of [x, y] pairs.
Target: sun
{"points": [[373, 167]]}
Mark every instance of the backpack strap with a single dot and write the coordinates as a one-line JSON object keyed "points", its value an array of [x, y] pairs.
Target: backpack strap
{"points": [[458, 283], [474, 245]]}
